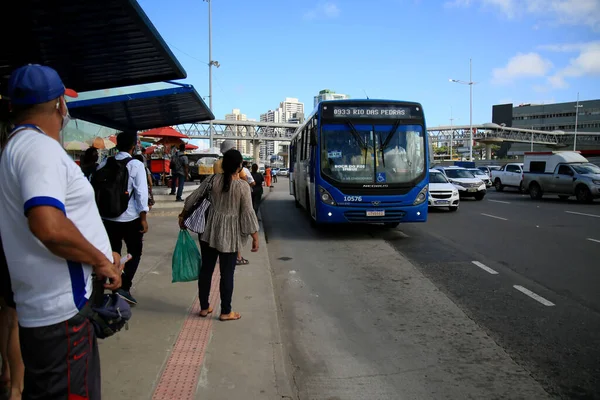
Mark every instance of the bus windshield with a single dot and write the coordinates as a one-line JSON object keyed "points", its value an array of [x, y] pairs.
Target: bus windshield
{"points": [[373, 153]]}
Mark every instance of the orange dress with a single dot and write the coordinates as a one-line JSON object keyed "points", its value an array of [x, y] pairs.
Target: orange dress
{"points": [[268, 177]]}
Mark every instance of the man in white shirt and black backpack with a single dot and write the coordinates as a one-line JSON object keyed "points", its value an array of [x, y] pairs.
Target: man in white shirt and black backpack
{"points": [[121, 187]]}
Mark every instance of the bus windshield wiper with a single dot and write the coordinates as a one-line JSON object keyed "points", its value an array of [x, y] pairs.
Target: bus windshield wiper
{"points": [[356, 135], [381, 147], [384, 144], [390, 135]]}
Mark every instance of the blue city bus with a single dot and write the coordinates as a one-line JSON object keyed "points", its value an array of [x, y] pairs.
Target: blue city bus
{"points": [[362, 161]]}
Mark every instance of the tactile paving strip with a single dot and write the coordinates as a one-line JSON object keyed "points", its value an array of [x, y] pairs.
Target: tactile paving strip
{"points": [[180, 377]]}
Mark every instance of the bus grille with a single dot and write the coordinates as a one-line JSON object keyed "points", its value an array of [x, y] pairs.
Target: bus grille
{"points": [[361, 216]]}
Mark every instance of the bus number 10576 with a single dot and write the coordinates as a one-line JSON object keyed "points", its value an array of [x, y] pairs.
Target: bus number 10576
{"points": [[352, 198]]}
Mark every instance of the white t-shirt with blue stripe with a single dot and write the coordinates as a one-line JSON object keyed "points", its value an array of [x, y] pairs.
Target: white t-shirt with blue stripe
{"points": [[36, 171]]}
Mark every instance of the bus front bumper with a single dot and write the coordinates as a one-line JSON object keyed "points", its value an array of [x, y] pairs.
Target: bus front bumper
{"points": [[327, 214]]}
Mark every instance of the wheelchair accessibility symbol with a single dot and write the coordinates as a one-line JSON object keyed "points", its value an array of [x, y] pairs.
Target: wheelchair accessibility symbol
{"points": [[381, 177]]}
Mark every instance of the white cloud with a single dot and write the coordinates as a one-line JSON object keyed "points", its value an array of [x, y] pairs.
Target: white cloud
{"points": [[568, 12], [587, 63], [323, 10], [521, 66]]}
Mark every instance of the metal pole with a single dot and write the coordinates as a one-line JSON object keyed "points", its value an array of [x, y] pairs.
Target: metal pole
{"points": [[451, 132], [470, 110], [576, 120], [210, 65], [532, 138]]}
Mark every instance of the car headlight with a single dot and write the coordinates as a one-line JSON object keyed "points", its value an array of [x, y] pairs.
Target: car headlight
{"points": [[455, 192], [421, 197], [326, 197], [596, 182]]}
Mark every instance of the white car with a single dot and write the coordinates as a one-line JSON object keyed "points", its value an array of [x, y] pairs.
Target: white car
{"points": [[441, 192], [481, 175], [466, 183]]}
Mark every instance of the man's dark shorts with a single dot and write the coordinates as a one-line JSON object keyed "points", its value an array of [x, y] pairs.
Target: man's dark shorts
{"points": [[61, 361], [5, 287]]}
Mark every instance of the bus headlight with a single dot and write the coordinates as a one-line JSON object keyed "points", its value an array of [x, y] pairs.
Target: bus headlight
{"points": [[421, 197], [326, 197]]}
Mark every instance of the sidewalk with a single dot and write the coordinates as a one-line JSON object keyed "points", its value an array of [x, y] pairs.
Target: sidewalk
{"points": [[171, 353]]}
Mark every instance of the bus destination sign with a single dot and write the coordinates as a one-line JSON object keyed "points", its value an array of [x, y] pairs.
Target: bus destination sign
{"points": [[372, 111]]}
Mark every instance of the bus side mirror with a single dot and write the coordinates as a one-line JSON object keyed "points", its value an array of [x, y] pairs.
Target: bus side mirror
{"points": [[313, 139]]}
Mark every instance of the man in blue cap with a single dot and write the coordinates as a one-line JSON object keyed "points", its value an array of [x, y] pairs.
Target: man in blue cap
{"points": [[53, 239]]}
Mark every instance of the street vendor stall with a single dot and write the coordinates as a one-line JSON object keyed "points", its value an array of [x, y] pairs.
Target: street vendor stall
{"points": [[162, 151]]}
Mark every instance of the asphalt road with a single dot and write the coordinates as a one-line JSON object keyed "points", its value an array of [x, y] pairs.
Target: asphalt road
{"points": [[549, 247], [361, 321]]}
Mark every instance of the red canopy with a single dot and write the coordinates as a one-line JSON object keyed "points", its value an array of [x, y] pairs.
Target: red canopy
{"points": [[189, 146], [163, 133]]}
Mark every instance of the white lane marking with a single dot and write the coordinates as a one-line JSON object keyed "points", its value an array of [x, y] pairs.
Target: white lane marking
{"points": [[593, 240], [534, 296], [485, 267], [402, 234], [584, 214], [500, 201], [493, 216]]}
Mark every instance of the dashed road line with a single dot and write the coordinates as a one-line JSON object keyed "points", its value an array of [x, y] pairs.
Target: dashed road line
{"points": [[485, 268], [593, 240], [534, 296], [493, 216], [584, 214], [500, 201]]}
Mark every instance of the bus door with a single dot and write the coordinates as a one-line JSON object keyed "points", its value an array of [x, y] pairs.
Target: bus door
{"points": [[292, 166], [301, 172], [312, 153]]}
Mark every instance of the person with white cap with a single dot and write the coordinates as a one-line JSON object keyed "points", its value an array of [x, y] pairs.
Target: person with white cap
{"points": [[218, 169], [53, 239]]}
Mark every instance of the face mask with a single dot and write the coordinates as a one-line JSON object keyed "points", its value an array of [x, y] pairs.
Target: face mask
{"points": [[65, 118], [65, 121]]}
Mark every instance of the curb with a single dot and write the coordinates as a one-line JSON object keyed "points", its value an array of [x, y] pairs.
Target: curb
{"points": [[280, 366]]}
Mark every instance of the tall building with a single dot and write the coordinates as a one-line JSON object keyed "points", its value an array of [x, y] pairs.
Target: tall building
{"points": [[244, 146], [547, 117], [267, 147], [327, 94], [291, 109]]}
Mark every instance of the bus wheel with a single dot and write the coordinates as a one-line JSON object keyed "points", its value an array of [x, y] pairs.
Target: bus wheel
{"points": [[391, 225]]}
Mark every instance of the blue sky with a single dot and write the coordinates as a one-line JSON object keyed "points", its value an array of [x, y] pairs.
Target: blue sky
{"points": [[523, 51]]}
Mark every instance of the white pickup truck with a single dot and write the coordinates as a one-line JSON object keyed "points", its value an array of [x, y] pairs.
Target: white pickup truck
{"points": [[510, 175], [562, 173]]}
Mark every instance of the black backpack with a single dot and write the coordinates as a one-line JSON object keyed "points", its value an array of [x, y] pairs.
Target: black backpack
{"points": [[176, 164], [110, 185]]}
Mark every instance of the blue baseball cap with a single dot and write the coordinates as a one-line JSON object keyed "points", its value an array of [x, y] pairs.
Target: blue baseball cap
{"points": [[36, 84]]}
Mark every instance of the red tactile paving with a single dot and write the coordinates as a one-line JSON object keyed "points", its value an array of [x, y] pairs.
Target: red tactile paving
{"points": [[180, 377]]}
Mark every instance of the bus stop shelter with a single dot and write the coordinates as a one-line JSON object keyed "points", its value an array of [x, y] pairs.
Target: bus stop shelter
{"points": [[92, 44], [179, 104]]}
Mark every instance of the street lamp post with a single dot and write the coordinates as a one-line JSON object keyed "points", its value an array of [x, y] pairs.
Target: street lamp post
{"points": [[577, 107], [211, 63], [470, 83], [451, 132]]}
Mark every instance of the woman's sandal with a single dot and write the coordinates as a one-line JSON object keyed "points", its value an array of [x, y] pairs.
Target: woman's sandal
{"points": [[232, 316], [242, 261], [206, 313]]}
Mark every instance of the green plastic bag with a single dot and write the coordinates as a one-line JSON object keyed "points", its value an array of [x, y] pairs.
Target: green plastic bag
{"points": [[186, 259]]}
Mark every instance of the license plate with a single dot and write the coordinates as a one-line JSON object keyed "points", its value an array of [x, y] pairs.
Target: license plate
{"points": [[441, 202], [376, 213], [472, 190]]}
